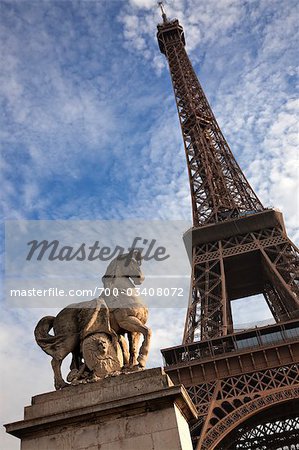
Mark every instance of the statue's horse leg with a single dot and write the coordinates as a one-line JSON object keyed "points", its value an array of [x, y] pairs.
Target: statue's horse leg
{"points": [[125, 350], [64, 346], [133, 338], [76, 358], [144, 349], [59, 382], [134, 325]]}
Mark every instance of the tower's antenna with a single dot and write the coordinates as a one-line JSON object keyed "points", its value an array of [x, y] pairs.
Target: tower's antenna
{"points": [[164, 17]]}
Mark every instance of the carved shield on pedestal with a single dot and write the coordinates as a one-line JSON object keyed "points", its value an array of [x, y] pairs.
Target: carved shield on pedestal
{"points": [[101, 355]]}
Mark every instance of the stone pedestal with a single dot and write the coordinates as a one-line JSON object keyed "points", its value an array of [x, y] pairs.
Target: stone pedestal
{"points": [[137, 411]]}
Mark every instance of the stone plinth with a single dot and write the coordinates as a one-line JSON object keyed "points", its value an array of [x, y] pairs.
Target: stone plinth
{"points": [[137, 411]]}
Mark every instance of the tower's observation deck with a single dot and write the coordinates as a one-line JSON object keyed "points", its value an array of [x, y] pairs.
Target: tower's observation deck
{"points": [[170, 32]]}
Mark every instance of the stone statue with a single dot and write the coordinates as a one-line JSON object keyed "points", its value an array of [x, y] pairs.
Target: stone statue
{"points": [[101, 356], [93, 331], [101, 352]]}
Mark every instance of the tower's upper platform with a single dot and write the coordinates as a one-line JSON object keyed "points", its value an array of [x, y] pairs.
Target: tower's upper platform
{"points": [[169, 31]]}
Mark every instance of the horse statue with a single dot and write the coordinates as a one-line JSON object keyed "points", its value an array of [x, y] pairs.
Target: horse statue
{"points": [[127, 315]]}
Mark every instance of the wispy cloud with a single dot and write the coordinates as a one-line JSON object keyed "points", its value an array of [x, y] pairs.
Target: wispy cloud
{"points": [[90, 128], [245, 55]]}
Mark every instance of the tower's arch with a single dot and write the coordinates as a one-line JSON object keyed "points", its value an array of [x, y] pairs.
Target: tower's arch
{"points": [[274, 426]]}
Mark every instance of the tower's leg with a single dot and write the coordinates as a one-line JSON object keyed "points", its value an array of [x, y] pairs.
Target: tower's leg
{"points": [[281, 265], [209, 312]]}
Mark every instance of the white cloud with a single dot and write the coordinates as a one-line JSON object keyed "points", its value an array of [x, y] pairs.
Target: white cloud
{"points": [[201, 20], [60, 111], [251, 100], [27, 370], [24, 372], [143, 3]]}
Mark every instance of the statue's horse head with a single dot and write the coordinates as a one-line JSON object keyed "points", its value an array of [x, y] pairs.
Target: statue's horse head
{"points": [[125, 269]]}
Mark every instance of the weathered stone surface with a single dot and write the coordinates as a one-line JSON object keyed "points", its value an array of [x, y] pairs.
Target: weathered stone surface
{"points": [[103, 392], [141, 410], [93, 331]]}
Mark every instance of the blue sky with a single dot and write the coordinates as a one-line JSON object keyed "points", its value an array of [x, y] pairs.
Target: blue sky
{"points": [[90, 130]]}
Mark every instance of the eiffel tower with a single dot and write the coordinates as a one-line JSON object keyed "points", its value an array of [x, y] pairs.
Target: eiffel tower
{"points": [[245, 384]]}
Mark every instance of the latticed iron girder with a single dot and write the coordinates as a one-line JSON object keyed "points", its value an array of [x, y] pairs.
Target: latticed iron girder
{"points": [[230, 400], [274, 435], [242, 388], [283, 263], [226, 267], [285, 258], [220, 192], [276, 303], [209, 304], [219, 189], [209, 310]]}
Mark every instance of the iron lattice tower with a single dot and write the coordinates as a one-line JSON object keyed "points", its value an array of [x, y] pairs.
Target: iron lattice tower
{"points": [[239, 249]]}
